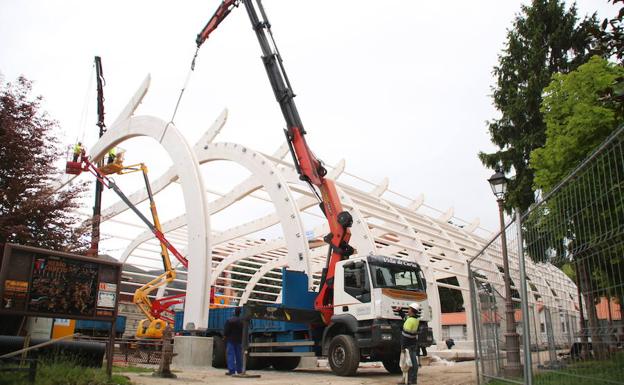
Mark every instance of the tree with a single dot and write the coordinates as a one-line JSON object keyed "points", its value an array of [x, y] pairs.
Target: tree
{"points": [[582, 222], [611, 36], [545, 39], [31, 213], [578, 118]]}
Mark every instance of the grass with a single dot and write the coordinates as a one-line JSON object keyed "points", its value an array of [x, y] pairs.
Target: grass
{"points": [[131, 369], [63, 373], [583, 373]]}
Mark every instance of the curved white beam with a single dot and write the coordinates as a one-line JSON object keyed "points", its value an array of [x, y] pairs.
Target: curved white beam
{"points": [[169, 176], [245, 253], [275, 185], [258, 276], [193, 192]]}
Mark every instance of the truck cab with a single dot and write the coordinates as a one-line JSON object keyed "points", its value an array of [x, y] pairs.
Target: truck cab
{"points": [[371, 297]]}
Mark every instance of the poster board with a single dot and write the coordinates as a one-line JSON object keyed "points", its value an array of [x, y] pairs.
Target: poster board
{"points": [[45, 283]]}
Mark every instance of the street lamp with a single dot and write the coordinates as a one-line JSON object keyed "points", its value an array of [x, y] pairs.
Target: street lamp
{"points": [[498, 182]]}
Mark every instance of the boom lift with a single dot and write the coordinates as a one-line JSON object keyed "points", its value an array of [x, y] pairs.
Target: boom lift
{"points": [[157, 310], [361, 299]]}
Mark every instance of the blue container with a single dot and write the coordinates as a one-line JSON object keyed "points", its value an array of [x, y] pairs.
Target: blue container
{"points": [[261, 325], [120, 325], [178, 322], [218, 317]]}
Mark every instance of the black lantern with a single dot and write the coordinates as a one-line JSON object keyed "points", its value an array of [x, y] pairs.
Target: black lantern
{"points": [[498, 182]]}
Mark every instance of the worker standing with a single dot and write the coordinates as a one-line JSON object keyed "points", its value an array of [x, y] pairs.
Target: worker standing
{"points": [[78, 150], [409, 339], [233, 334]]}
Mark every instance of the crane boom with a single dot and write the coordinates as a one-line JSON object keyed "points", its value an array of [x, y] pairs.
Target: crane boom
{"points": [[308, 166]]}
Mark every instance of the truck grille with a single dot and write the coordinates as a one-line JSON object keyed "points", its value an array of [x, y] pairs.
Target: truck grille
{"points": [[401, 312]]}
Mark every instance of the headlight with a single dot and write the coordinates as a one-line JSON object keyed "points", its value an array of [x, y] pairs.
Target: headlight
{"points": [[386, 337]]}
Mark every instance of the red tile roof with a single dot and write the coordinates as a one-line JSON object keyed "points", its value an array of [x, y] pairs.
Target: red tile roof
{"points": [[458, 318]]}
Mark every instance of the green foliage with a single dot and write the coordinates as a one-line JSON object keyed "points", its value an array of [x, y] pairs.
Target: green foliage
{"points": [[31, 212], [611, 36], [131, 369], [63, 373], [578, 118], [545, 39], [580, 227], [582, 373]]}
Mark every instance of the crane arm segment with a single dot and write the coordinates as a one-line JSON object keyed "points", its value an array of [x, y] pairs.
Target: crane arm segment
{"points": [[309, 167]]}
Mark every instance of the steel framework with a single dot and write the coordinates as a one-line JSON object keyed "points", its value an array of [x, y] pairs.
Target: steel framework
{"points": [[244, 265]]}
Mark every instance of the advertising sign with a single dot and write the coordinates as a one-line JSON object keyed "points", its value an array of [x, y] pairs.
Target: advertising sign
{"points": [[48, 283]]}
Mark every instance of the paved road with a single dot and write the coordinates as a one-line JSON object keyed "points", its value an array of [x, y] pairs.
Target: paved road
{"points": [[456, 374]]}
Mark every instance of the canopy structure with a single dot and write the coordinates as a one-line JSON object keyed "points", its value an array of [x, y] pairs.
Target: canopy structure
{"points": [[241, 256]]}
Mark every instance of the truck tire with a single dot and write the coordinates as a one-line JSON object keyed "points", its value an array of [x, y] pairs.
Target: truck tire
{"points": [[284, 364], [218, 352], [344, 355], [258, 363], [392, 365]]}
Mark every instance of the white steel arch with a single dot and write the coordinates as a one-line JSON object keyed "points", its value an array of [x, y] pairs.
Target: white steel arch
{"points": [[246, 268], [193, 191]]}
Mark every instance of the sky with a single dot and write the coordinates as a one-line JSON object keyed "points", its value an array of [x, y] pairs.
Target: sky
{"points": [[398, 89]]}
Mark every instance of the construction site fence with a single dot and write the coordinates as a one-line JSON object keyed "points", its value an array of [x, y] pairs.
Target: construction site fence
{"points": [[146, 353], [566, 265]]}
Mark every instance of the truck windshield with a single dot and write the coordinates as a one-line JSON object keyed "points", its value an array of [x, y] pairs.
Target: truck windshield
{"points": [[390, 275]]}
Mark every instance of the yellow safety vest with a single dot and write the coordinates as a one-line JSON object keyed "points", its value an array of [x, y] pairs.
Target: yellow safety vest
{"points": [[410, 327]]}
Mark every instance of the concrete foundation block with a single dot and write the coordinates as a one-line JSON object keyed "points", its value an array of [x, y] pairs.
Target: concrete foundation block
{"points": [[192, 351], [308, 363]]}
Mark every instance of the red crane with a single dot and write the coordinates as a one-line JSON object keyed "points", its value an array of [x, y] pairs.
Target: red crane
{"points": [[309, 167]]}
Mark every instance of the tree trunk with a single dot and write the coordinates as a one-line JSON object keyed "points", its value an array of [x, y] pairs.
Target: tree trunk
{"points": [[598, 347]]}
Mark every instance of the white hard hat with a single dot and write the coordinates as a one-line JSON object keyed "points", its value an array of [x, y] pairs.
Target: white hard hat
{"points": [[416, 306]]}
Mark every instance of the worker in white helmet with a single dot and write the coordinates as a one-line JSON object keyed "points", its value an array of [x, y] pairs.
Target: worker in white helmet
{"points": [[409, 339]]}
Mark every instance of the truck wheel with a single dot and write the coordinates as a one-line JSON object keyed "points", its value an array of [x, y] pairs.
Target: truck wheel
{"points": [[258, 363], [344, 355], [284, 364], [392, 365], [218, 352]]}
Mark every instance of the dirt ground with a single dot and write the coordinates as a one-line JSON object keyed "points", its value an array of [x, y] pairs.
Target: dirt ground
{"points": [[462, 373]]}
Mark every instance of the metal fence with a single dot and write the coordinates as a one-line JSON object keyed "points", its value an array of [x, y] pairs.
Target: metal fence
{"points": [[566, 264], [145, 353]]}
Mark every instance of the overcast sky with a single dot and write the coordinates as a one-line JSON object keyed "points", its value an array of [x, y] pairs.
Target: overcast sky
{"points": [[397, 88]]}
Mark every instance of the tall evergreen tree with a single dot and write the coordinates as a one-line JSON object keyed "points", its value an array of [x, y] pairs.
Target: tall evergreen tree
{"points": [[545, 39], [31, 212], [611, 35]]}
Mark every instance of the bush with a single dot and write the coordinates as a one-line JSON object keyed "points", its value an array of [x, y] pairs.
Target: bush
{"points": [[63, 373]]}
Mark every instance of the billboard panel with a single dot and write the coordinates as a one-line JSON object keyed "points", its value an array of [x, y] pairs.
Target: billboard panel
{"points": [[48, 283]]}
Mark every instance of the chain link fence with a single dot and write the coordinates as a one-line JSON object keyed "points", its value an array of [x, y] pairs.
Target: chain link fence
{"points": [[560, 321]]}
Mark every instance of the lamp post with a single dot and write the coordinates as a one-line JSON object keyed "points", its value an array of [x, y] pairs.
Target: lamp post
{"points": [[513, 368]]}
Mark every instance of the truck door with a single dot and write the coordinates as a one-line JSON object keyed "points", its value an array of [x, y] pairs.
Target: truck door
{"points": [[353, 290]]}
